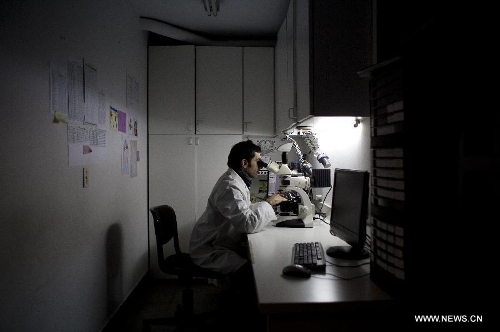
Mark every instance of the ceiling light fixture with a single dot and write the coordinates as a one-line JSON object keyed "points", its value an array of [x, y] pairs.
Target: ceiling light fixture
{"points": [[211, 7]]}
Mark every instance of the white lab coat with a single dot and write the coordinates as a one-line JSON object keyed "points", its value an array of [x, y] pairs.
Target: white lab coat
{"points": [[219, 232]]}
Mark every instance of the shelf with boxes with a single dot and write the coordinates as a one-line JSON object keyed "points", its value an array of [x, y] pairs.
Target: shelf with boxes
{"points": [[388, 176]]}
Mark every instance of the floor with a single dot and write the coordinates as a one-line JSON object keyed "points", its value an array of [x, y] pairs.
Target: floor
{"points": [[159, 298]]}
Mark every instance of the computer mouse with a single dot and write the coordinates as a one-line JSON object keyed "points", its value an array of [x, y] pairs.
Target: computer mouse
{"points": [[296, 270]]}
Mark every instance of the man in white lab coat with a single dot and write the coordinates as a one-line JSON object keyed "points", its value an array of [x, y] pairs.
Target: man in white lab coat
{"points": [[218, 236]]}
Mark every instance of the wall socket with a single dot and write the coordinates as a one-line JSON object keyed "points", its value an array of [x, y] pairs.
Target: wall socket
{"points": [[85, 177]]}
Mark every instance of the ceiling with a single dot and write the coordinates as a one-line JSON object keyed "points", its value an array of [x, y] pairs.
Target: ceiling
{"points": [[236, 19]]}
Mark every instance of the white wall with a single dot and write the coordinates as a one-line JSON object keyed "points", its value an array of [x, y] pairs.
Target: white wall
{"points": [[346, 145], [69, 256]]}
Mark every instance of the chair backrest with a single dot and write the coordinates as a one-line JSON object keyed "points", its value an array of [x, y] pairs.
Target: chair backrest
{"points": [[165, 223]]}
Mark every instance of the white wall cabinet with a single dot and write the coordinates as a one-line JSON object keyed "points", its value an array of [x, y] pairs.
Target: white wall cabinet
{"points": [[258, 91], [171, 90], [341, 46], [211, 90], [292, 67], [301, 46], [219, 90], [182, 172], [332, 42], [284, 83]]}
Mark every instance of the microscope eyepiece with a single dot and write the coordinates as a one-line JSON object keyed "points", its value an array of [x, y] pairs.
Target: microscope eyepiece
{"points": [[261, 163]]}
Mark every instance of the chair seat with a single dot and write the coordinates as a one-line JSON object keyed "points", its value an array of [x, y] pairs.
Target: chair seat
{"points": [[181, 264]]}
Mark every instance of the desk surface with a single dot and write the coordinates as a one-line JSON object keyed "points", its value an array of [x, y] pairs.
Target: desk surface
{"points": [[271, 250]]}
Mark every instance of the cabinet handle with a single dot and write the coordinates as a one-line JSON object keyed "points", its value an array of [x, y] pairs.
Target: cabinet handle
{"points": [[190, 141], [246, 125], [291, 114], [198, 122], [197, 141], [190, 127]]}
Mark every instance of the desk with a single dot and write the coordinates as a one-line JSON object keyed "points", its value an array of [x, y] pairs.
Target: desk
{"points": [[323, 299]]}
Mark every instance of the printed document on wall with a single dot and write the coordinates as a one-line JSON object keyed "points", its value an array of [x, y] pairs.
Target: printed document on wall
{"points": [[91, 95], [59, 89], [86, 144], [75, 91]]}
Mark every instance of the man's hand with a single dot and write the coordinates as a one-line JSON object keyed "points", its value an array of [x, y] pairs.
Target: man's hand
{"points": [[275, 199]]}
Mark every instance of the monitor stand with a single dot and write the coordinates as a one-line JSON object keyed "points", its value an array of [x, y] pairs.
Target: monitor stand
{"points": [[347, 252]]}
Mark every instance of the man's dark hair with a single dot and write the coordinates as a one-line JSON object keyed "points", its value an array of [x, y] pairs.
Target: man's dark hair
{"points": [[242, 150]]}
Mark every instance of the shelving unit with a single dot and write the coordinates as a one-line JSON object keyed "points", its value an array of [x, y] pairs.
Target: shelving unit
{"points": [[435, 158], [388, 175]]}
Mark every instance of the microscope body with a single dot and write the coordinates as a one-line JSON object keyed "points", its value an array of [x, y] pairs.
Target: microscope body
{"points": [[298, 205]]}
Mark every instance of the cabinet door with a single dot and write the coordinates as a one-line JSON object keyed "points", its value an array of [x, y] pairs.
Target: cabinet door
{"points": [[219, 90], [302, 84], [258, 87], [341, 47], [171, 181], [211, 162], [171, 90], [285, 113], [182, 172]]}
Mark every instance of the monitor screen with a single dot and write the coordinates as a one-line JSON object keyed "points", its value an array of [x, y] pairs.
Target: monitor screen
{"points": [[349, 213]]}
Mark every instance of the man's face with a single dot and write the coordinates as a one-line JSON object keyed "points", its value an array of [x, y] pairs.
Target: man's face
{"points": [[251, 168]]}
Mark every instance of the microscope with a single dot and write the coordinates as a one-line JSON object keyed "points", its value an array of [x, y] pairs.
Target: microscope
{"points": [[298, 211]]}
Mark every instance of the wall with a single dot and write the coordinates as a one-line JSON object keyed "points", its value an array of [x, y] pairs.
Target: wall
{"points": [[69, 255], [346, 146]]}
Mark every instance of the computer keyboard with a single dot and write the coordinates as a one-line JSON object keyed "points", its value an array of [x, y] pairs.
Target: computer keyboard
{"points": [[310, 255]]}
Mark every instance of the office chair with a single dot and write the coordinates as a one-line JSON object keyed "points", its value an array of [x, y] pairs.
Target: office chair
{"points": [[181, 265]]}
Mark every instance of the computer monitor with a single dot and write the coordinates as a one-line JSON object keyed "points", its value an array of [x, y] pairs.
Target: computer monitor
{"points": [[349, 213]]}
